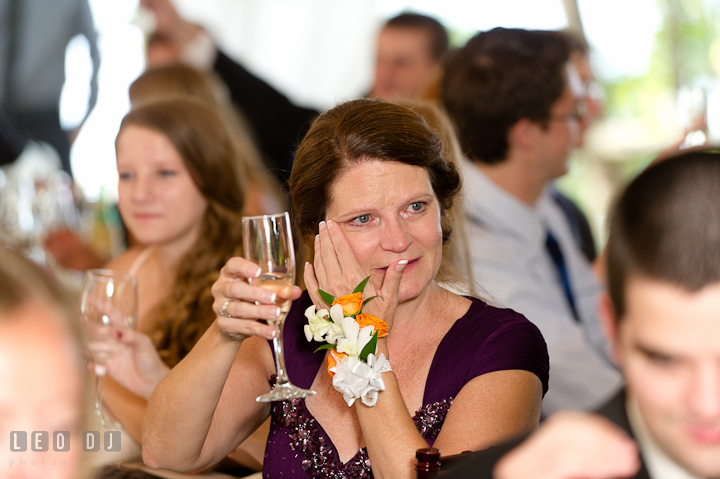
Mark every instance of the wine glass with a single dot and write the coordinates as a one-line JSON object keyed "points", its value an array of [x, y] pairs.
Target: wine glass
{"points": [[267, 241], [108, 305]]}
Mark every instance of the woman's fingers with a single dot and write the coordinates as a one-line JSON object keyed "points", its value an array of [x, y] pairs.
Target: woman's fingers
{"points": [[242, 291], [134, 339], [387, 296], [297, 292], [312, 286], [318, 268], [343, 253], [233, 284], [245, 310], [335, 262], [240, 268], [239, 329], [328, 253], [137, 368], [393, 277]]}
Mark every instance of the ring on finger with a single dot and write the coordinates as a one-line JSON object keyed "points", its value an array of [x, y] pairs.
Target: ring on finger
{"points": [[223, 310]]}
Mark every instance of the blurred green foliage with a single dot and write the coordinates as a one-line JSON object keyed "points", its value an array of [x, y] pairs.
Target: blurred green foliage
{"points": [[682, 56]]}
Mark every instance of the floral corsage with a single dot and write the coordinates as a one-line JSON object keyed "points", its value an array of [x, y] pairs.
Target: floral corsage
{"points": [[351, 337]]}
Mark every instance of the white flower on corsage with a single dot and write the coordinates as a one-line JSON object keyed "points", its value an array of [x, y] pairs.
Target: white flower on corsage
{"points": [[351, 336], [318, 324], [354, 339], [356, 379]]}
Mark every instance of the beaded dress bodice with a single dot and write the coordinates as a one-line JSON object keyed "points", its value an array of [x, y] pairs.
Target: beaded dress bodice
{"points": [[319, 458]]}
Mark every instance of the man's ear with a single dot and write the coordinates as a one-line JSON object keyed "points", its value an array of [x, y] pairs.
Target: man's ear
{"points": [[521, 135], [609, 324]]}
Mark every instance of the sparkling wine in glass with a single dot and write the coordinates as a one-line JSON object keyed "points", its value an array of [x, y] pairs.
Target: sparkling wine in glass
{"points": [[108, 305], [267, 241]]}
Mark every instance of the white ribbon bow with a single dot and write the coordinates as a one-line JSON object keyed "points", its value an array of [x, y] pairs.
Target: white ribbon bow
{"points": [[355, 379]]}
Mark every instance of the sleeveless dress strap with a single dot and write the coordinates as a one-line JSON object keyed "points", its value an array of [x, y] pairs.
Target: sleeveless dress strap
{"points": [[140, 260]]}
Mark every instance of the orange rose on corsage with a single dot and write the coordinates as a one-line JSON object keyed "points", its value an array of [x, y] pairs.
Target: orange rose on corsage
{"points": [[365, 319], [351, 336], [333, 359], [351, 303]]}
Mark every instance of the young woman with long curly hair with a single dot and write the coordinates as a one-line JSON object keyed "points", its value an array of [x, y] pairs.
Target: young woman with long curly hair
{"points": [[181, 196]]}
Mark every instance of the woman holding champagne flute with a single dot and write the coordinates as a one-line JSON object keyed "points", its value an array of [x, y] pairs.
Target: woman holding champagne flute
{"points": [[371, 192], [180, 197]]}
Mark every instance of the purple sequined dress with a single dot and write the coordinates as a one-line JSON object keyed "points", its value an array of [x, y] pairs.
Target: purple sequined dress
{"points": [[485, 339]]}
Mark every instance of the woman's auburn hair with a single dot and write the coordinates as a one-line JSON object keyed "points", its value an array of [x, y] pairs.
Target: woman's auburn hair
{"points": [[365, 130], [198, 135]]}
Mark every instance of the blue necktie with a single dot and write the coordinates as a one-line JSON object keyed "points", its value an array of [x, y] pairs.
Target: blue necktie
{"points": [[553, 249]]}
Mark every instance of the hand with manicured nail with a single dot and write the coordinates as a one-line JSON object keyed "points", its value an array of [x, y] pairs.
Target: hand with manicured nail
{"points": [[336, 270], [243, 304]]}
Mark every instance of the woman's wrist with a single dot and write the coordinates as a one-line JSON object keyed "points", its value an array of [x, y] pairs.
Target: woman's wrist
{"points": [[382, 346]]}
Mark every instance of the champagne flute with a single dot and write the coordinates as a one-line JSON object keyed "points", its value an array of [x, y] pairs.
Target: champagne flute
{"points": [[108, 305], [267, 241]]}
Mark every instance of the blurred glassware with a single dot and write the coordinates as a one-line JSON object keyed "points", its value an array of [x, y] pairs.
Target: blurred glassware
{"points": [[108, 306]]}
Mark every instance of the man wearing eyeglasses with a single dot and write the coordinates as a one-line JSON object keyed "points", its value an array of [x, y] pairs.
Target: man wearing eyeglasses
{"points": [[515, 99]]}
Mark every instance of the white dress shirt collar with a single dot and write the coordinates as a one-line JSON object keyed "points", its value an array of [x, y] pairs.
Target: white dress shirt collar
{"points": [[658, 464], [489, 204]]}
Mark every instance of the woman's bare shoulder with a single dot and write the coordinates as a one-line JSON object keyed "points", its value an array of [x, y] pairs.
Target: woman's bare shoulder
{"points": [[124, 261]]}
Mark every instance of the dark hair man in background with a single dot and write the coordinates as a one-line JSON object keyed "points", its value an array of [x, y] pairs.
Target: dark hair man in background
{"points": [[513, 95]]}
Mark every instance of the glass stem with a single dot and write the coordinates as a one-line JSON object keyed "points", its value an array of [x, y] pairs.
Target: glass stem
{"points": [[100, 370], [282, 377]]}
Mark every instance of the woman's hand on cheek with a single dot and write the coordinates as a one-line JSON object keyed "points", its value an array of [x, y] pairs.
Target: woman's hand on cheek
{"points": [[238, 305], [384, 305], [336, 270]]}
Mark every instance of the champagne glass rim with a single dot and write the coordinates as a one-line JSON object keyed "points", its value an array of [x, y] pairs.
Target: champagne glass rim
{"points": [[276, 215], [109, 275]]}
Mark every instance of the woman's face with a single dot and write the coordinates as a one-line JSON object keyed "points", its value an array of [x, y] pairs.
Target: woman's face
{"points": [[159, 201], [389, 212]]}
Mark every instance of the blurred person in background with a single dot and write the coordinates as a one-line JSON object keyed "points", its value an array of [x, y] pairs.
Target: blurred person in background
{"points": [[410, 51], [662, 317], [181, 196], [34, 35], [591, 108], [263, 193], [41, 371], [513, 96]]}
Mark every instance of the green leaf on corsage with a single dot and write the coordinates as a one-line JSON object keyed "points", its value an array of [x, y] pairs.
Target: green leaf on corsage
{"points": [[327, 297], [369, 348], [360, 287], [365, 302], [326, 346]]}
